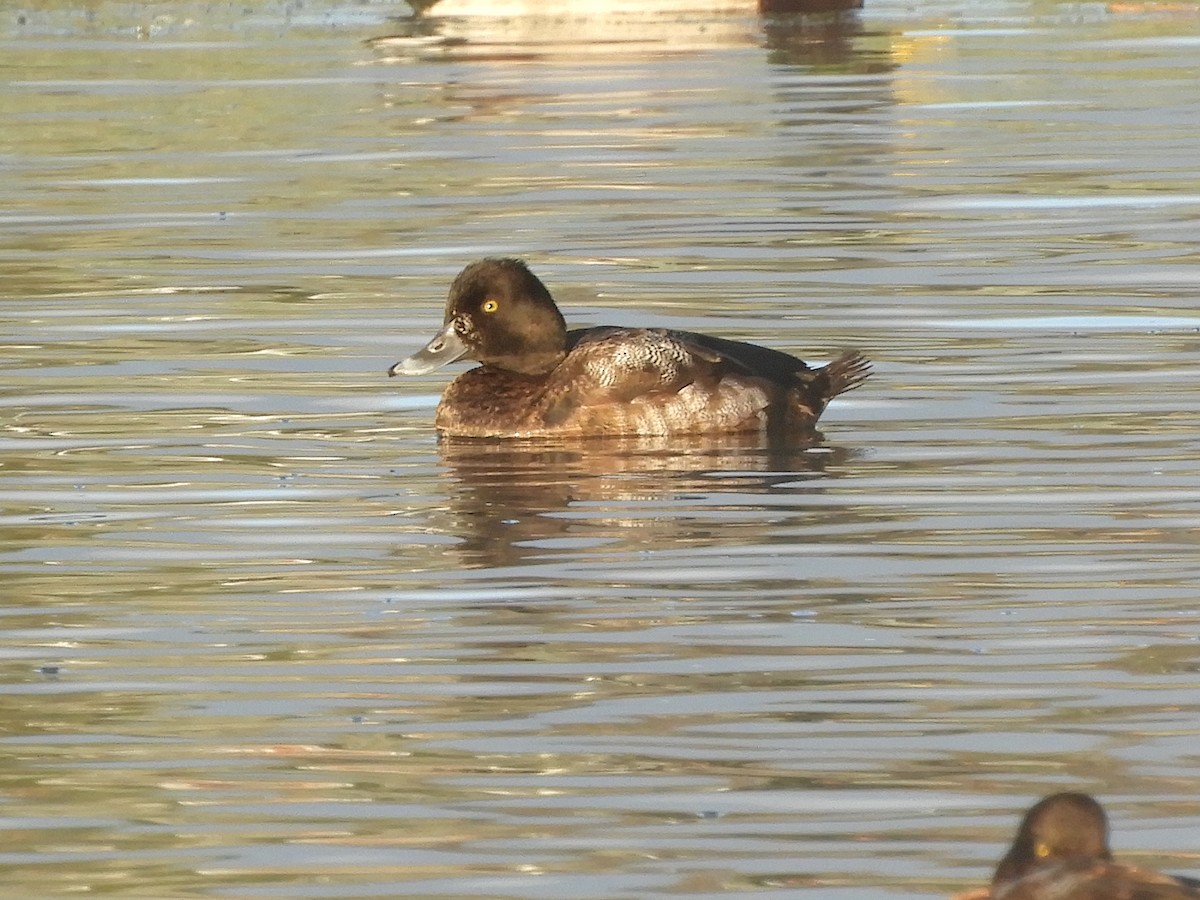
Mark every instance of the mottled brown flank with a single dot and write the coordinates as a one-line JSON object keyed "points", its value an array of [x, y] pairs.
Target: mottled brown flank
{"points": [[640, 381]]}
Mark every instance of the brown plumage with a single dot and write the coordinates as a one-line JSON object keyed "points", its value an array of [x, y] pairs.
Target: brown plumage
{"points": [[1061, 852], [537, 378]]}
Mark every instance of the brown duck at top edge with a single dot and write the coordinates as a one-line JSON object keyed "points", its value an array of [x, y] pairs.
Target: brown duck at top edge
{"points": [[538, 379]]}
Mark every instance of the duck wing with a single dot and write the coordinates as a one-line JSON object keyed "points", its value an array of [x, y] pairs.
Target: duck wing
{"points": [[845, 373]]}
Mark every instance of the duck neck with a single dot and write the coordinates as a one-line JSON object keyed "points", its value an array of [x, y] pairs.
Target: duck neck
{"points": [[526, 363]]}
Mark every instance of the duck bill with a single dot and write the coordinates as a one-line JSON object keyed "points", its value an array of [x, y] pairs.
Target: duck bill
{"points": [[445, 348]]}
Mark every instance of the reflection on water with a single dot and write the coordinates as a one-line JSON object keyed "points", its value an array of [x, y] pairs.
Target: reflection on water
{"points": [[265, 636], [610, 496]]}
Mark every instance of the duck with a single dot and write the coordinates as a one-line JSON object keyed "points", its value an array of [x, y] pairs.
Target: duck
{"points": [[537, 379], [1061, 852]]}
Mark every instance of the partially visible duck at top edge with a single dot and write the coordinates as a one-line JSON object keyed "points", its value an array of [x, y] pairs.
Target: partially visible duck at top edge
{"points": [[1061, 852], [537, 378]]}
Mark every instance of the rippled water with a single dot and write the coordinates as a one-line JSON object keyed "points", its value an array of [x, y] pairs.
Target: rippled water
{"points": [[263, 636]]}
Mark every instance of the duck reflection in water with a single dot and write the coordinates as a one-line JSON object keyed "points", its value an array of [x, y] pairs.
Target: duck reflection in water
{"points": [[549, 499], [1061, 852], [539, 379]]}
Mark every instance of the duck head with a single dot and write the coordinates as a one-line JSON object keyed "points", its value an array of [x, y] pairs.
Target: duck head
{"points": [[1067, 827], [500, 314]]}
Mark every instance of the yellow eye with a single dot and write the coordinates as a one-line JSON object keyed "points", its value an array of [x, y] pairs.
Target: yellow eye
{"points": [[1041, 849], [490, 306]]}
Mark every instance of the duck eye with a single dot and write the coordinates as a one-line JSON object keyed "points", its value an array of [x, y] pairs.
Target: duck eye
{"points": [[490, 306], [1041, 850]]}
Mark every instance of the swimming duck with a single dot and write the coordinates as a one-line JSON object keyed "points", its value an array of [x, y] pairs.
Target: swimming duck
{"points": [[537, 378], [1061, 852]]}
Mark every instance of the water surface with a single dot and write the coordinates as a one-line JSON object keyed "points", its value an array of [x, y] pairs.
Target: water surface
{"points": [[264, 636]]}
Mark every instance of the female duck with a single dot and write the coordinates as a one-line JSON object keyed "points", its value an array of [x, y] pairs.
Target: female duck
{"points": [[537, 378], [1061, 853]]}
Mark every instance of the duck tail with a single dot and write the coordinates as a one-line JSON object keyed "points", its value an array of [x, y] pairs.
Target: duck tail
{"points": [[845, 373]]}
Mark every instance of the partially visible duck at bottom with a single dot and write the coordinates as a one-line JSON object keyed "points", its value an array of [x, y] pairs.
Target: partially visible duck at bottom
{"points": [[539, 379], [1061, 852]]}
